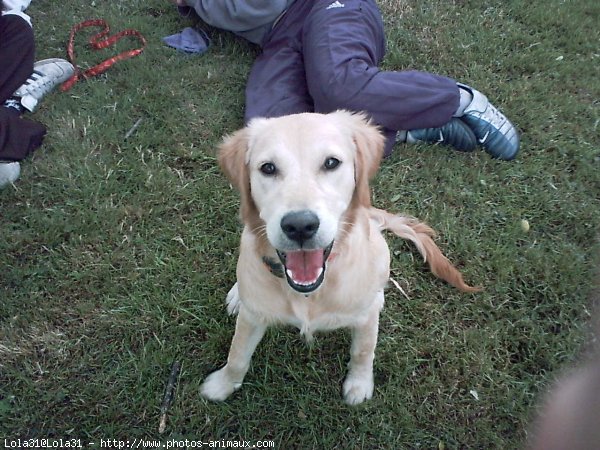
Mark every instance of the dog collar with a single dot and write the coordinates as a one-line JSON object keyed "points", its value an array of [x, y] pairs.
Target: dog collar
{"points": [[275, 267]]}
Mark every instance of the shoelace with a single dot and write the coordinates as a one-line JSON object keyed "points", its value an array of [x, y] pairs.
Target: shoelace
{"points": [[496, 118], [35, 81], [98, 41]]}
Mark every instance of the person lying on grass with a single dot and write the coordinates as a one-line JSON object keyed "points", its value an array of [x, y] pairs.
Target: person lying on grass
{"points": [[323, 55]]}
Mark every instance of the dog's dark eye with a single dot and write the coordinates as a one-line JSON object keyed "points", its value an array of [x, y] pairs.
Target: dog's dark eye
{"points": [[268, 168], [331, 163]]}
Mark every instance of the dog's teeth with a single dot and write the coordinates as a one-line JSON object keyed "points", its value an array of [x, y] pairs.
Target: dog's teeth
{"points": [[307, 283]]}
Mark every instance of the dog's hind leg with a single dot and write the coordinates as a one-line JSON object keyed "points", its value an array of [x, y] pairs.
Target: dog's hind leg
{"points": [[248, 333]]}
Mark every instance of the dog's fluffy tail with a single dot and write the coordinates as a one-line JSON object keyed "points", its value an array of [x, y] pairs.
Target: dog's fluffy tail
{"points": [[421, 235]]}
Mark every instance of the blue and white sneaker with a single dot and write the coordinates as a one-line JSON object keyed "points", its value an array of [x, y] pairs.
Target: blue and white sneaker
{"points": [[47, 74], [455, 133], [493, 130]]}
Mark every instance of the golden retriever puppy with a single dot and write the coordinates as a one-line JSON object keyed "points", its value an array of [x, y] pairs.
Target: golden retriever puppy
{"points": [[312, 254]]}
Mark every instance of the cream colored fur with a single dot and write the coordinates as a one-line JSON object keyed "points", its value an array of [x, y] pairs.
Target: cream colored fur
{"points": [[352, 293]]}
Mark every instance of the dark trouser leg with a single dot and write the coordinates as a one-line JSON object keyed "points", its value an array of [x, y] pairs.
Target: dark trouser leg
{"points": [[18, 136], [342, 48], [277, 83], [17, 53]]}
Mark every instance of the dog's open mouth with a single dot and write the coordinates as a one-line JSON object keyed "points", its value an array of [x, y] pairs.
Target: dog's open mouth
{"points": [[305, 269]]}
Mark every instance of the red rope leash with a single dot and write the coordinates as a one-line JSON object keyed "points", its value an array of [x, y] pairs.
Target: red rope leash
{"points": [[98, 41]]}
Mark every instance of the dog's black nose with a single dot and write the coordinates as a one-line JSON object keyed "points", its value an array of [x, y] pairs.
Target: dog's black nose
{"points": [[300, 226]]}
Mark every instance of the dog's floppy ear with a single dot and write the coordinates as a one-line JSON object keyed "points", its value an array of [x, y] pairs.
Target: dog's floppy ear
{"points": [[369, 143], [232, 159]]}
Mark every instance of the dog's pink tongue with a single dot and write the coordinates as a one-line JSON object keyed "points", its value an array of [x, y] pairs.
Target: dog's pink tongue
{"points": [[304, 266]]}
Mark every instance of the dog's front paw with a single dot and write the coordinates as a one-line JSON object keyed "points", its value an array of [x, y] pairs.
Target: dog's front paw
{"points": [[358, 388], [233, 300], [218, 386]]}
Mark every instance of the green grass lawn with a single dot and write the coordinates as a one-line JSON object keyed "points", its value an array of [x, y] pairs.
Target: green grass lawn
{"points": [[116, 254]]}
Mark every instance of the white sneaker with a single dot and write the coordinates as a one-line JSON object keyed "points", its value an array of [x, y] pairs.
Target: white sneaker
{"points": [[47, 74], [9, 173], [496, 134]]}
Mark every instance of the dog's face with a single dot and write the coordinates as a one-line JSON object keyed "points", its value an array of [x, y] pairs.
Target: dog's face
{"points": [[299, 177]]}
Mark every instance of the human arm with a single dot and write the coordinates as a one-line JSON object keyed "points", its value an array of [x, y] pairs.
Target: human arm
{"points": [[235, 15]]}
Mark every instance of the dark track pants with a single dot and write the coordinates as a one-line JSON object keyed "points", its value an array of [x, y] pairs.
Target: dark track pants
{"points": [[321, 57], [18, 136]]}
